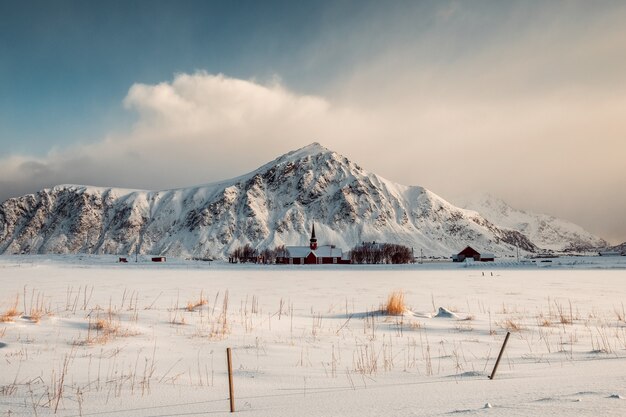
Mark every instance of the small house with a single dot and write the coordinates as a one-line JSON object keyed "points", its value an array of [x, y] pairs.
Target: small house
{"points": [[472, 254]]}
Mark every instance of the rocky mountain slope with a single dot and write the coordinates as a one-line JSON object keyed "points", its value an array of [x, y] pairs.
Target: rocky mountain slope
{"points": [[273, 205]]}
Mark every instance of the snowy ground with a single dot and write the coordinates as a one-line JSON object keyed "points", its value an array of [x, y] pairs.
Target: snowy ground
{"points": [[95, 338]]}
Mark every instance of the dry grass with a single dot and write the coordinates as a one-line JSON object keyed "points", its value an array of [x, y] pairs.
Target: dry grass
{"points": [[35, 316], [415, 325], [464, 326], [512, 326], [621, 314], [395, 303], [192, 305], [178, 321], [102, 331], [8, 390], [564, 318], [11, 313], [544, 322], [104, 325]]}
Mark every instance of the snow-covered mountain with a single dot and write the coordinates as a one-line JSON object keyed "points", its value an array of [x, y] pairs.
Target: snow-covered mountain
{"points": [[273, 205], [621, 248], [545, 231]]}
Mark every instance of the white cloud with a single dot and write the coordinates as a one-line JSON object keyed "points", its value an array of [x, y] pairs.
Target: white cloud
{"points": [[198, 128]]}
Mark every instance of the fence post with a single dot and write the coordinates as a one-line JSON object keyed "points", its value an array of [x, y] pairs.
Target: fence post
{"points": [[495, 368], [230, 380]]}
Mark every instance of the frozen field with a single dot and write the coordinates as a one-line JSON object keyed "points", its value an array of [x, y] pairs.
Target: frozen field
{"points": [[87, 336]]}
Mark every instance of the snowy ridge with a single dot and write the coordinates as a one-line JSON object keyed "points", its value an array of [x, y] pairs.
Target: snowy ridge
{"points": [[621, 248], [547, 232], [273, 205]]}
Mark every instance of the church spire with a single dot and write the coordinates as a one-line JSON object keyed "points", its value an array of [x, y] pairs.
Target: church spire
{"points": [[313, 241]]}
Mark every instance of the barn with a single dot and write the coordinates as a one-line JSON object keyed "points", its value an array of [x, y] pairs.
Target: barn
{"points": [[470, 253], [312, 254]]}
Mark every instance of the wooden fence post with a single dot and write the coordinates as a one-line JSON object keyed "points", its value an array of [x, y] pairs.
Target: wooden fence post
{"points": [[495, 368], [230, 380]]}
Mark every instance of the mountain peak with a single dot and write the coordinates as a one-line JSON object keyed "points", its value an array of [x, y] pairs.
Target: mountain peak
{"points": [[309, 150], [314, 147]]}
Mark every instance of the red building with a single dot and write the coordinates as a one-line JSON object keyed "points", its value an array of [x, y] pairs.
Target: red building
{"points": [[312, 254], [471, 253]]}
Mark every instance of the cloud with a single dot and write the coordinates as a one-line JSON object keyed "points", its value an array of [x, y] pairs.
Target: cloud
{"points": [[541, 152], [198, 128]]}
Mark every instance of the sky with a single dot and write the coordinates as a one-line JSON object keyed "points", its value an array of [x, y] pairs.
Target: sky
{"points": [[522, 100]]}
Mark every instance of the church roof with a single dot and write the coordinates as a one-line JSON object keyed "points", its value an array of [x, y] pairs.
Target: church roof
{"points": [[326, 251], [298, 251]]}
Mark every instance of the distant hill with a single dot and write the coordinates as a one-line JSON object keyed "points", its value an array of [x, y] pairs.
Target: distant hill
{"points": [[545, 231], [618, 248]]}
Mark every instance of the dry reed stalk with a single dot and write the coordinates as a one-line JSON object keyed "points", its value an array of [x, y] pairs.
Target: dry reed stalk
{"points": [[563, 317], [365, 359], [621, 315], [220, 327]]}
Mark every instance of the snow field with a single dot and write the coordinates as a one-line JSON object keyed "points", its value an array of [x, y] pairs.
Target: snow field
{"points": [[95, 338]]}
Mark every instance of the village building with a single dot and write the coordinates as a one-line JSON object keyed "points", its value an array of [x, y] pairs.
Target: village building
{"points": [[471, 254], [313, 254]]}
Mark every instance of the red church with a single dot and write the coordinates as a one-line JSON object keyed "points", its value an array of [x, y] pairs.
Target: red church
{"points": [[312, 254]]}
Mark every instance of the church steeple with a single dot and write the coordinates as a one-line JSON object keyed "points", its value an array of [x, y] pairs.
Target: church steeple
{"points": [[313, 241]]}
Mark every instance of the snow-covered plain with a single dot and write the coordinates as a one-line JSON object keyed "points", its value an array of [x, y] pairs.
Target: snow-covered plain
{"points": [[94, 337]]}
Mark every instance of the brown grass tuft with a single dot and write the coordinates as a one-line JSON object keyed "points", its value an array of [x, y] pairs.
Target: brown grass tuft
{"points": [[512, 326], [395, 303], [192, 305], [544, 322], [35, 316], [11, 313], [105, 330]]}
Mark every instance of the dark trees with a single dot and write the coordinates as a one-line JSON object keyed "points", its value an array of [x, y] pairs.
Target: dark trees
{"points": [[377, 253]]}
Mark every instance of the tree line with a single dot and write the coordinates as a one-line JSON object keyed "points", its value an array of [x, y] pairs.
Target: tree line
{"points": [[247, 253], [381, 253]]}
